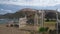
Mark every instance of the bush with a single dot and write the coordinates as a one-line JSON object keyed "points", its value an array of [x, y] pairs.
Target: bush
{"points": [[16, 25], [7, 26], [43, 29], [11, 25]]}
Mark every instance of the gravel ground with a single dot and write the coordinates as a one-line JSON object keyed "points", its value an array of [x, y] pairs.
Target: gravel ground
{"points": [[11, 30]]}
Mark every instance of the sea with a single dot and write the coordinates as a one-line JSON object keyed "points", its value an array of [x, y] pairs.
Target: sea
{"points": [[4, 21]]}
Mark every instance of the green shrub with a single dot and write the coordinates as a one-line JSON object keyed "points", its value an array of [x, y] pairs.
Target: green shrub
{"points": [[43, 29]]}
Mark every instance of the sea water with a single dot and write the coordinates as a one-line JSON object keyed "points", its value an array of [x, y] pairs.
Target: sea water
{"points": [[4, 21]]}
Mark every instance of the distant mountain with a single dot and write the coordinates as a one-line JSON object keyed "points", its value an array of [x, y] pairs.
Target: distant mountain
{"points": [[51, 14]]}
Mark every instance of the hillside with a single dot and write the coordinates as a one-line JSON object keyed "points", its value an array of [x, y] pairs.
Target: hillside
{"points": [[29, 12]]}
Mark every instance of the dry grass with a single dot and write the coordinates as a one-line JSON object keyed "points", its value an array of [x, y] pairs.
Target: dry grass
{"points": [[51, 25]]}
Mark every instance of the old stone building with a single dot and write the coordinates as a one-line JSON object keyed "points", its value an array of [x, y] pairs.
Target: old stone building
{"points": [[22, 22], [35, 20]]}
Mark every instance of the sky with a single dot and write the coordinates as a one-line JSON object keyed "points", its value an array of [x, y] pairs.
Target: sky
{"points": [[37, 3], [31, 2]]}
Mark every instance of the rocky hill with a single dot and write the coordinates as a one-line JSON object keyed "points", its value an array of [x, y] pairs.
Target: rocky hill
{"points": [[30, 12]]}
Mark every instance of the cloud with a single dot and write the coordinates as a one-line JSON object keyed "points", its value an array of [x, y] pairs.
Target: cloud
{"points": [[2, 9], [31, 2], [6, 11], [9, 11]]}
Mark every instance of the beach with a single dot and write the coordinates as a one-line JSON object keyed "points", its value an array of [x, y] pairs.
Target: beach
{"points": [[11, 30]]}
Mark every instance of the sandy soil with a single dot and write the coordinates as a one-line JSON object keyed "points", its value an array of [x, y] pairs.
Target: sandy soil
{"points": [[15, 30], [11, 30]]}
